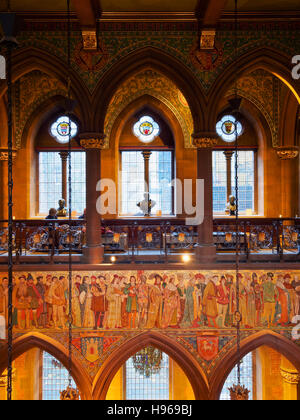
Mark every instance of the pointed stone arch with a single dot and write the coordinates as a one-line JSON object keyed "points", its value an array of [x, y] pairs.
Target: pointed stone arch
{"points": [[28, 59], [270, 59], [160, 61], [180, 355], [37, 340], [268, 338], [152, 84]]}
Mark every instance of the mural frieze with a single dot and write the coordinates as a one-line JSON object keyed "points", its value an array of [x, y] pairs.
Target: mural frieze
{"points": [[192, 308]]}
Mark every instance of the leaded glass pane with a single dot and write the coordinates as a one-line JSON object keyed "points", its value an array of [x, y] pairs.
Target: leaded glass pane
{"points": [[55, 378], [132, 182], [160, 176], [154, 387], [78, 181], [246, 378], [219, 182], [50, 181], [245, 179]]}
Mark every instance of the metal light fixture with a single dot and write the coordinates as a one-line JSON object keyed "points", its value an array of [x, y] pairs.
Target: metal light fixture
{"points": [[237, 391], [148, 361], [70, 393]]}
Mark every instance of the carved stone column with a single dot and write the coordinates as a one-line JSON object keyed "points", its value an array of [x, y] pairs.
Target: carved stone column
{"points": [[228, 155], [64, 158], [206, 249], [93, 251], [146, 154]]}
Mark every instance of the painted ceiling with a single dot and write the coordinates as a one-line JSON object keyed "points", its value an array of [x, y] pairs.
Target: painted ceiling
{"points": [[149, 5], [264, 5]]}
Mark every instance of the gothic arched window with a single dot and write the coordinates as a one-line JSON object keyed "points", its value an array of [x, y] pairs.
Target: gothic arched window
{"points": [[55, 378], [147, 376], [246, 378]]}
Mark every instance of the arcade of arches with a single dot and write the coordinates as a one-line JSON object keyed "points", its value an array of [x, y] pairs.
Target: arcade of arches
{"points": [[154, 279]]}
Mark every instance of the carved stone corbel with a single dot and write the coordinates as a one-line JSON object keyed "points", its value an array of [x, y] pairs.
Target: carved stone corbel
{"points": [[202, 141], [89, 38], [92, 141], [287, 152], [207, 39], [289, 376]]}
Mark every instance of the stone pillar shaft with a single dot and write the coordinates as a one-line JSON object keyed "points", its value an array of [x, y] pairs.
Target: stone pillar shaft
{"points": [[93, 252], [146, 155], [206, 250], [4, 183], [228, 155], [64, 158]]}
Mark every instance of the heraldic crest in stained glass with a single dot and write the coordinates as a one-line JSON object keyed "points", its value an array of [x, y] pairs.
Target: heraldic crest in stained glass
{"points": [[146, 129]]}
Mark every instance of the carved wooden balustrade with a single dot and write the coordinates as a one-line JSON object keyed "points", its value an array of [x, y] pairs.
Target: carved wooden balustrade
{"points": [[152, 240]]}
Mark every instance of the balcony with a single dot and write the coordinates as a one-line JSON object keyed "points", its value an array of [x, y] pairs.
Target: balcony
{"points": [[152, 241]]}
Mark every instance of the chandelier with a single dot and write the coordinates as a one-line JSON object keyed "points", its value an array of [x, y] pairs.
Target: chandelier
{"points": [[239, 393], [70, 394], [147, 361]]}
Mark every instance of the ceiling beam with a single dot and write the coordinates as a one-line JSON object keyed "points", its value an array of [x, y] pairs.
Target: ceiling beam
{"points": [[208, 14], [88, 12]]}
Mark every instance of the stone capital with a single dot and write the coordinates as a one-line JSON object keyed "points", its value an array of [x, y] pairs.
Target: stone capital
{"points": [[287, 152], [64, 156], [92, 141], [146, 154], [4, 154], [290, 376], [228, 154], [204, 140]]}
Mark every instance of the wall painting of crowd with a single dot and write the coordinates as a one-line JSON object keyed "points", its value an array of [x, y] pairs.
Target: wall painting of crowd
{"points": [[150, 299]]}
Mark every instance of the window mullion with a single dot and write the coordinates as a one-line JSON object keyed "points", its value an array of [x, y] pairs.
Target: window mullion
{"points": [[64, 158], [228, 155]]}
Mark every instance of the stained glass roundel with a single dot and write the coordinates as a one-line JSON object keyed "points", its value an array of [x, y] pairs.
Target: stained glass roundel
{"points": [[62, 128], [146, 129], [228, 127]]}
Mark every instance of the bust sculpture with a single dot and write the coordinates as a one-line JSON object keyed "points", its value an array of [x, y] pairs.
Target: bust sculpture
{"points": [[61, 211], [146, 205], [231, 206]]}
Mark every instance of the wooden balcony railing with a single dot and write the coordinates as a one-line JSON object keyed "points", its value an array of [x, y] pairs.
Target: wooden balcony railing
{"points": [[152, 240]]}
